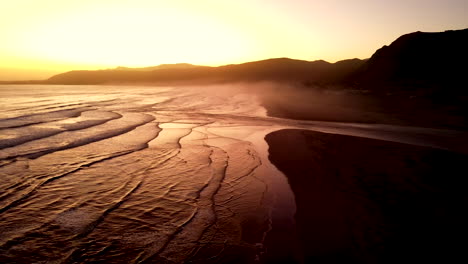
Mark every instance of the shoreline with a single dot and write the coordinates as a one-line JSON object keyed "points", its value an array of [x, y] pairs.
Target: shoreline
{"points": [[363, 200], [282, 227]]}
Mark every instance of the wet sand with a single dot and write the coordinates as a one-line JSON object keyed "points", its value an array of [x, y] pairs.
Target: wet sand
{"points": [[363, 200]]}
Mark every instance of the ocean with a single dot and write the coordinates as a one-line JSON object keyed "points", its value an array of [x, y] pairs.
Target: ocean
{"points": [[137, 174]]}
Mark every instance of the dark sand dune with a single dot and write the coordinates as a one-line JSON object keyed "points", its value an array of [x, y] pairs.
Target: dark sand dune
{"points": [[370, 201]]}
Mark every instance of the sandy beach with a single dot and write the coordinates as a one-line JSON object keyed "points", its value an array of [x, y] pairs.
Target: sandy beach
{"points": [[371, 201]]}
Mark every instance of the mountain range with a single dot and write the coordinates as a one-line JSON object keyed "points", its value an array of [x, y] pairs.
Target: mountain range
{"points": [[416, 62], [282, 69]]}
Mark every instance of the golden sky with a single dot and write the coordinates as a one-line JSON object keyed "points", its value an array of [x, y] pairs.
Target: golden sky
{"points": [[44, 37]]}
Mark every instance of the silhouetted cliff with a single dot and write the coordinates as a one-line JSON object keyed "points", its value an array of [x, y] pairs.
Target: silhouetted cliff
{"points": [[419, 61]]}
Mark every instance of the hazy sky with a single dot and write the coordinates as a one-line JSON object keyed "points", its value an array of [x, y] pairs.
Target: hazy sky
{"points": [[43, 37]]}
